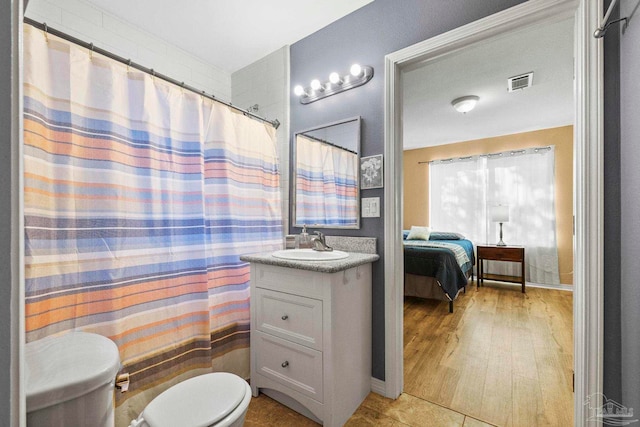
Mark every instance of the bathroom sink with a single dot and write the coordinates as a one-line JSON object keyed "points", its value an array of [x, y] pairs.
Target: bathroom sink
{"points": [[310, 255]]}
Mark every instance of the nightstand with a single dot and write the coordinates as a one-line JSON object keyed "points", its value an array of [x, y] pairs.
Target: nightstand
{"points": [[500, 253]]}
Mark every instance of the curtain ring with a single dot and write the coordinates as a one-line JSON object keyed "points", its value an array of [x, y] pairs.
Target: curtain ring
{"points": [[129, 65], [91, 48], [46, 32], [153, 73]]}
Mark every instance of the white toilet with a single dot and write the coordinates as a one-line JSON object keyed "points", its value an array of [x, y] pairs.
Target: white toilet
{"points": [[70, 381]]}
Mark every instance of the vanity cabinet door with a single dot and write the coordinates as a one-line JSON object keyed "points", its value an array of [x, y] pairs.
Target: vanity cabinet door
{"points": [[295, 366], [294, 318]]}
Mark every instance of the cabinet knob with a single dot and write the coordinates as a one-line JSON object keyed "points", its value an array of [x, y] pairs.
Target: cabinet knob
{"points": [[285, 364], [285, 316]]}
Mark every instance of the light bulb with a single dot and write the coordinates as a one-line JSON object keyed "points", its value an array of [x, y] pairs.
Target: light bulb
{"points": [[315, 84], [298, 90], [356, 70], [334, 78]]}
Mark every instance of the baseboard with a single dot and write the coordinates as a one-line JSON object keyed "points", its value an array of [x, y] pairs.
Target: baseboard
{"points": [[378, 386], [558, 287]]}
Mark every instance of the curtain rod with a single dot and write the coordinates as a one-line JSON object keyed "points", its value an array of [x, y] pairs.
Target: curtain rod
{"points": [[327, 142], [451, 159], [604, 26], [48, 30]]}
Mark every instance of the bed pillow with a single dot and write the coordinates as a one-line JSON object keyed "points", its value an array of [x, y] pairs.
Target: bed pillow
{"points": [[445, 235], [419, 233], [405, 233]]}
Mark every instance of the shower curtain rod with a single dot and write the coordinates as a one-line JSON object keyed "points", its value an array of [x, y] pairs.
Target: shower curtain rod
{"points": [[604, 26], [48, 30], [328, 143]]}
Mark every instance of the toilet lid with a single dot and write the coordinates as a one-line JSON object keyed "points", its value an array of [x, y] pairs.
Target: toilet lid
{"points": [[197, 402]]}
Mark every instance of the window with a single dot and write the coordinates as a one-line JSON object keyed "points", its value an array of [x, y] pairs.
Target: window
{"points": [[461, 192]]}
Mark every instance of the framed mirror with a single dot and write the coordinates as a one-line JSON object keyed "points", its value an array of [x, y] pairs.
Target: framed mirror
{"points": [[326, 183]]}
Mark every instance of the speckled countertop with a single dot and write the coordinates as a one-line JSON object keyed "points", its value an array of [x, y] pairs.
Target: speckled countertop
{"points": [[355, 259]]}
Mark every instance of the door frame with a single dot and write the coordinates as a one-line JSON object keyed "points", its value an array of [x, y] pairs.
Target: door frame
{"points": [[588, 182]]}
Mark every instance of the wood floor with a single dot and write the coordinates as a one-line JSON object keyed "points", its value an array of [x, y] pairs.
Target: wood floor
{"points": [[502, 358]]}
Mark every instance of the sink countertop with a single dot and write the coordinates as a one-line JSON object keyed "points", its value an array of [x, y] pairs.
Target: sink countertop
{"points": [[355, 259]]}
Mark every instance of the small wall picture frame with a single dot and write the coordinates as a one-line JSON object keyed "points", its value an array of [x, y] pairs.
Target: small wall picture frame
{"points": [[371, 172]]}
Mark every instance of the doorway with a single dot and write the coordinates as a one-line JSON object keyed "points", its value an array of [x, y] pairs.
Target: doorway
{"points": [[587, 182], [503, 356]]}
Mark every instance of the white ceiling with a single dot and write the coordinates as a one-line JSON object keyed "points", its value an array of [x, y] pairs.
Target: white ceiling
{"points": [[483, 70], [230, 34]]}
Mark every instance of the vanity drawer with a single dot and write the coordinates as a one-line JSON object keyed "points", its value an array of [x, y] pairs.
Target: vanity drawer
{"points": [[295, 366], [292, 317]]}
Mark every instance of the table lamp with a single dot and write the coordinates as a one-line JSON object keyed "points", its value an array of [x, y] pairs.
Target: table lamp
{"points": [[500, 214]]}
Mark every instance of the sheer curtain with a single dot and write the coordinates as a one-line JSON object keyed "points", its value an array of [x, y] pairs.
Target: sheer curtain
{"points": [[462, 191], [457, 197]]}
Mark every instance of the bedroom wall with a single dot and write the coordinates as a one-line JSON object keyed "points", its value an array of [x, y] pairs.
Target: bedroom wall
{"points": [[366, 36], [416, 196]]}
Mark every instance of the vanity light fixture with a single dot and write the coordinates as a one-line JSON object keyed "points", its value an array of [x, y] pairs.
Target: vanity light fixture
{"points": [[357, 76], [465, 104]]}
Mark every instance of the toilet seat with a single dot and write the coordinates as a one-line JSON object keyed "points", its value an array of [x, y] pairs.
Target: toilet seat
{"points": [[200, 401]]}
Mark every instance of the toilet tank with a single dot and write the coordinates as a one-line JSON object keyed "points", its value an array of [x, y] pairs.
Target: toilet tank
{"points": [[70, 380]]}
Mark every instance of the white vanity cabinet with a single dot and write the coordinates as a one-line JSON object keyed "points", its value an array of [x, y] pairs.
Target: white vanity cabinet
{"points": [[311, 339]]}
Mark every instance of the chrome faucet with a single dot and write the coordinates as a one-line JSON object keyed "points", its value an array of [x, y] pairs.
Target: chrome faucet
{"points": [[319, 243]]}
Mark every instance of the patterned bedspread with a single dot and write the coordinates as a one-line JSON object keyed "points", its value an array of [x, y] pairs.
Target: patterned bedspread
{"points": [[461, 255], [450, 262]]}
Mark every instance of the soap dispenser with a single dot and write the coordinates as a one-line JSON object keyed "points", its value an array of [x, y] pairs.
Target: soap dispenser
{"points": [[304, 241]]}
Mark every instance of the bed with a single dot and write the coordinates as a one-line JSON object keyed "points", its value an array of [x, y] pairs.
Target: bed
{"points": [[438, 268]]}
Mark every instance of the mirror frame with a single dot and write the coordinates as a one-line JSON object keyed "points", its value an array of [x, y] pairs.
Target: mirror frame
{"points": [[294, 168]]}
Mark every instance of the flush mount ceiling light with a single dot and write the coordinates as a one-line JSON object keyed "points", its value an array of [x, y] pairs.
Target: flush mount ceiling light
{"points": [[357, 76], [465, 104]]}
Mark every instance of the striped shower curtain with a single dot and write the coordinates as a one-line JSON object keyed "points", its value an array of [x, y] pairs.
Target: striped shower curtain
{"points": [[139, 199], [326, 183]]}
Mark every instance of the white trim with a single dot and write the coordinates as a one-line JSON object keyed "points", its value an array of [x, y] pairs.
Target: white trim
{"points": [[588, 207], [588, 189], [378, 386], [558, 287]]}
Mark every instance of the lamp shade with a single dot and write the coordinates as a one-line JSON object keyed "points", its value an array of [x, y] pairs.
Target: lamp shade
{"points": [[499, 213]]}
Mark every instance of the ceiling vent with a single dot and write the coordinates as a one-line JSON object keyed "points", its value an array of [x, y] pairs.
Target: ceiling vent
{"points": [[520, 82]]}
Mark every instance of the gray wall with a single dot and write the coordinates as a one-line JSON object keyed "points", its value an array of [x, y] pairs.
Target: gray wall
{"points": [[630, 212], [7, 309], [5, 205], [366, 36], [611, 339]]}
